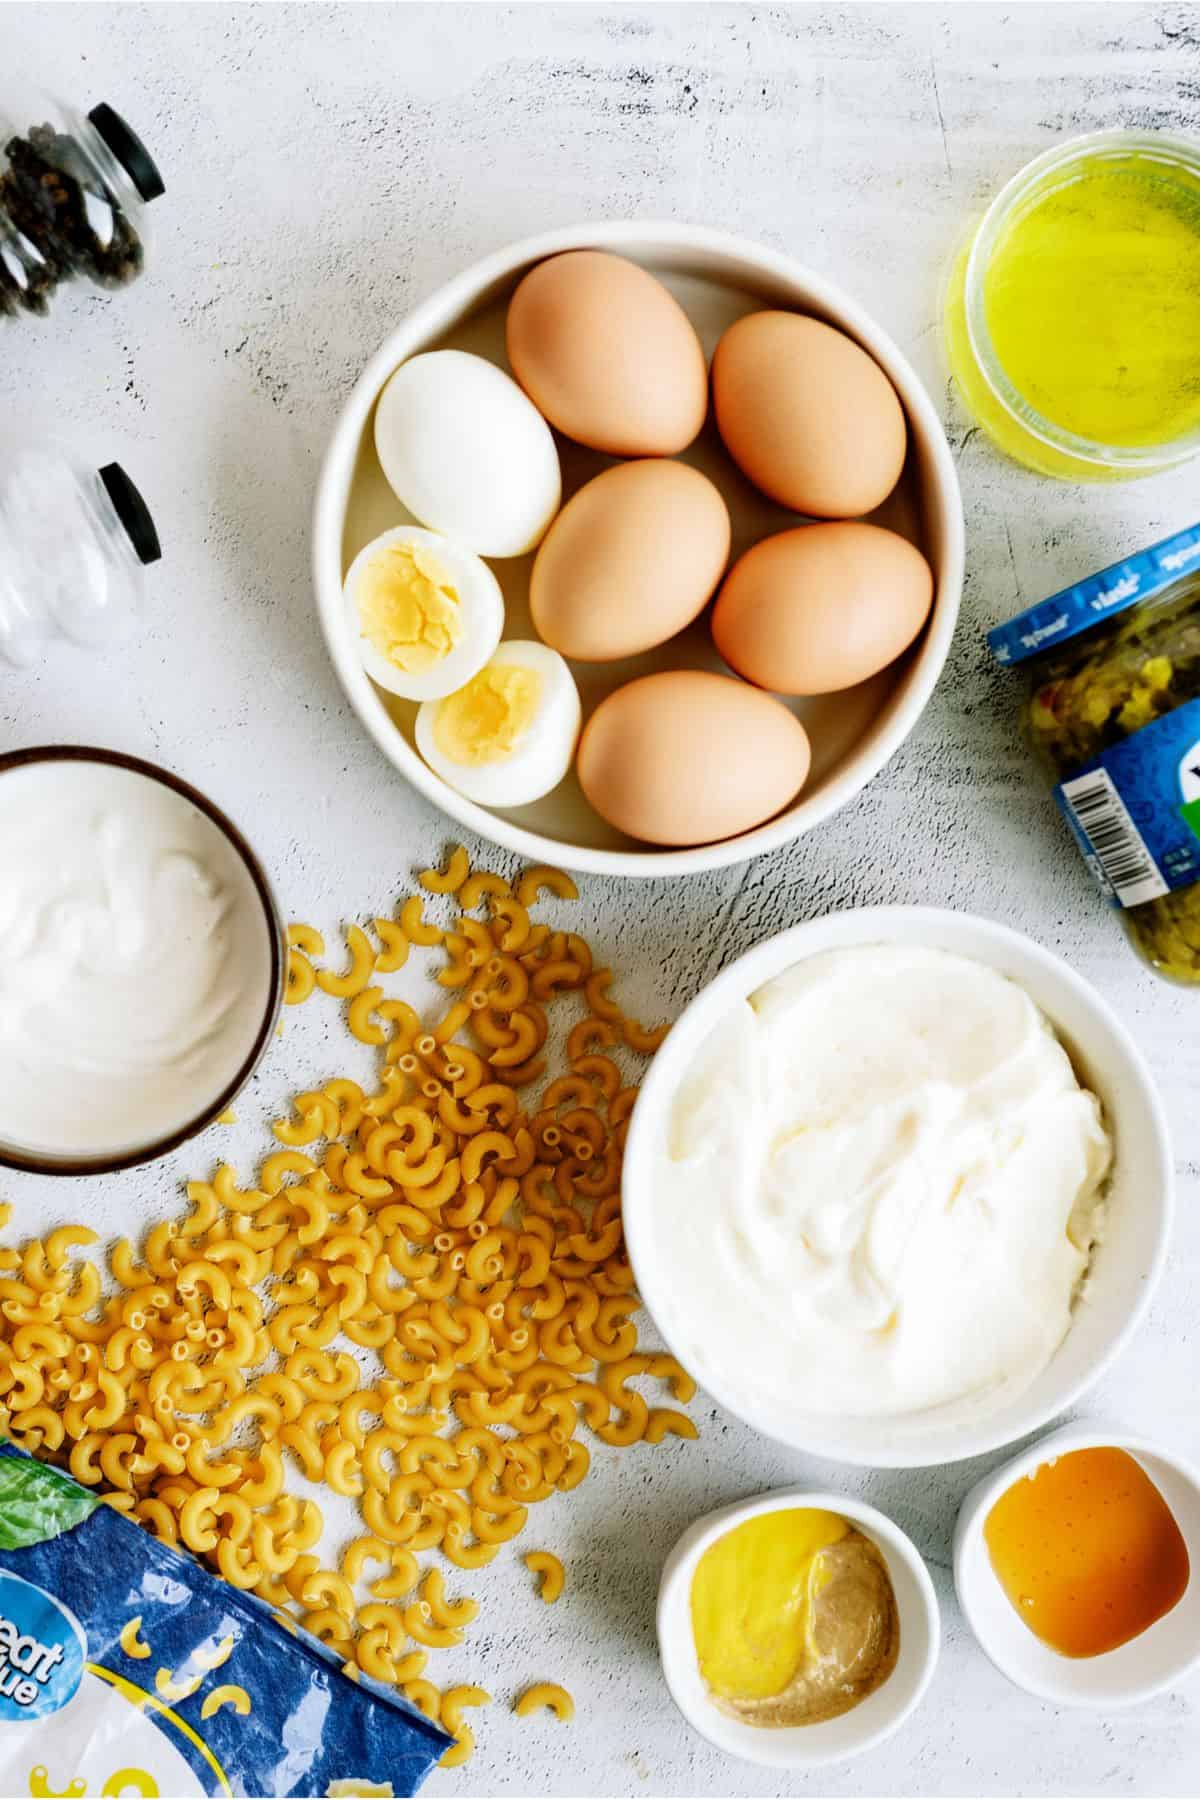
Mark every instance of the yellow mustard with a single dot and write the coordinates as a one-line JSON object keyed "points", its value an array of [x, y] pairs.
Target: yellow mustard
{"points": [[753, 1600]]}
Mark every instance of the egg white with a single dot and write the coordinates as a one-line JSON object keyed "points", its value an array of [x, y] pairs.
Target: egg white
{"points": [[467, 452], [542, 755], [482, 617]]}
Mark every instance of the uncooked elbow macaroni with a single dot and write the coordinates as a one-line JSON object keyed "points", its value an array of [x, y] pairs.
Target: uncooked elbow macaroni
{"points": [[547, 1695], [460, 1237], [78, 1712], [541, 1562]]}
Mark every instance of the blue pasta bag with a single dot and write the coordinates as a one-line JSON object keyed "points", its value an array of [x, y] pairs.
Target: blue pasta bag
{"points": [[127, 1669]]}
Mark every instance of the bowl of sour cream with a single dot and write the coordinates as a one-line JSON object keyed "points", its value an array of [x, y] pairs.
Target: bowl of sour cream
{"points": [[898, 1186], [142, 961]]}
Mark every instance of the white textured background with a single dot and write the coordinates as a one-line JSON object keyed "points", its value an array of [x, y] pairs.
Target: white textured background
{"points": [[328, 165]]}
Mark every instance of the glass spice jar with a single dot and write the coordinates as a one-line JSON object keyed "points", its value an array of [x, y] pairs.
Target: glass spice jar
{"points": [[1113, 712], [73, 544], [73, 193]]}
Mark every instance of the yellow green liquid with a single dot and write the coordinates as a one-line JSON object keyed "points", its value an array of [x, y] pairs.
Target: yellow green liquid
{"points": [[1092, 301]]}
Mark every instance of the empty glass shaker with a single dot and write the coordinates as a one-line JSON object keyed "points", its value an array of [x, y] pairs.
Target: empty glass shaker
{"points": [[73, 545]]}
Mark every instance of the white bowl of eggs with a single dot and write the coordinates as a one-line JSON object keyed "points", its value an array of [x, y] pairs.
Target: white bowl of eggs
{"points": [[638, 548]]}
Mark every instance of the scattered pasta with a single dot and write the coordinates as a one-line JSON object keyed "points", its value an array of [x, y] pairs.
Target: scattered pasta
{"points": [[454, 1700], [449, 879], [461, 1750], [419, 1299], [546, 1695], [541, 1562]]}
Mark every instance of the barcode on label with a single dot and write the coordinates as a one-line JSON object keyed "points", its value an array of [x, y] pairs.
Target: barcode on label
{"points": [[1116, 843]]}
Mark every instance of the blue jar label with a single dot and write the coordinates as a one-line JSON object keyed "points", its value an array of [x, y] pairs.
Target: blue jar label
{"points": [[42, 1651], [1146, 575], [1135, 809]]}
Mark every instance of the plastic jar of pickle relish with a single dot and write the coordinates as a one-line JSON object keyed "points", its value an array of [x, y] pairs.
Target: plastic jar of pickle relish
{"points": [[1114, 713]]}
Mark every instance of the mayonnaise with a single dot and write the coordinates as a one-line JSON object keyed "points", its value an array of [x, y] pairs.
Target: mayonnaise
{"points": [[880, 1189], [135, 960]]}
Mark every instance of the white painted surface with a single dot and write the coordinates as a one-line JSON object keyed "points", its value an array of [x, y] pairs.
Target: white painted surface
{"points": [[326, 166]]}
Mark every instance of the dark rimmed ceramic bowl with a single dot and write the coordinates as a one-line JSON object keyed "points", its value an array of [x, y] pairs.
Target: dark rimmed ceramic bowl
{"points": [[42, 1161]]}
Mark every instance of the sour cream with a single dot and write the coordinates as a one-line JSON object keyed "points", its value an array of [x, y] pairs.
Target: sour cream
{"points": [[880, 1190], [135, 960]]}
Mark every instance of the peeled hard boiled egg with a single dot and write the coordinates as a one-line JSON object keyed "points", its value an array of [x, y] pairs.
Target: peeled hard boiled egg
{"points": [[822, 607], [508, 736], [425, 614], [467, 453], [807, 415], [686, 757], [606, 352], [630, 560]]}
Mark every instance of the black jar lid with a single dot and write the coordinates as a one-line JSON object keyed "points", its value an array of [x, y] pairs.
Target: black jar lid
{"points": [[132, 511], [129, 151]]}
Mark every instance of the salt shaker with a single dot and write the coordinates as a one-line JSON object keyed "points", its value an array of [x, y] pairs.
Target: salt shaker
{"points": [[74, 542], [73, 194]]}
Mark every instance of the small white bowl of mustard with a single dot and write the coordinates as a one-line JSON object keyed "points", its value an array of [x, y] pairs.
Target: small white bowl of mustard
{"points": [[796, 1629], [1075, 1565]]}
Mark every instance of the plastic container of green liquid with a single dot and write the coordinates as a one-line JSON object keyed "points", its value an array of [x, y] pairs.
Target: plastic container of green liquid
{"points": [[1072, 316]]}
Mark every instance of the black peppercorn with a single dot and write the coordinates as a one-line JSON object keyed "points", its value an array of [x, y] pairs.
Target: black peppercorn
{"points": [[61, 212]]}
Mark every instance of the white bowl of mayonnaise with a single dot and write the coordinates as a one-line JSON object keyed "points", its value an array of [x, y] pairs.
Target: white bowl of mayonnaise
{"points": [[898, 1186], [142, 961]]}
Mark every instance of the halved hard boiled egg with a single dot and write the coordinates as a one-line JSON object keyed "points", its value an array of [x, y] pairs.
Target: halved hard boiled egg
{"points": [[425, 614], [507, 736]]}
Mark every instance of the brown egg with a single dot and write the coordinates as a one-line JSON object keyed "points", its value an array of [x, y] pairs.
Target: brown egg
{"points": [[822, 607], [608, 355], [686, 757], [630, 560], [807, 415]]}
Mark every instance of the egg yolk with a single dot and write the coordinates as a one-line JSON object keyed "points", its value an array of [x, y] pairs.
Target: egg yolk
{"points": [[486, 720], [408, 608], [752, 1600]]}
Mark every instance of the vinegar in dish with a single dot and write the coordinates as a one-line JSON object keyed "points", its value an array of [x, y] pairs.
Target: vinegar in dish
{"points": [[1088, 1551]]}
